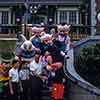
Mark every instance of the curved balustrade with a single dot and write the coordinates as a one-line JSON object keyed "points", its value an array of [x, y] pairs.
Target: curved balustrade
{"points": [[78, 88]]}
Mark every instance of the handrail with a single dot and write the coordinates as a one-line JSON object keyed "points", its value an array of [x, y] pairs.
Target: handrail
{"points": [[78, 80]]}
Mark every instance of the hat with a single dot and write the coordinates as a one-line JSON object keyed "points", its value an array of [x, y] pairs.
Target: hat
{"points": [[46, 36]]}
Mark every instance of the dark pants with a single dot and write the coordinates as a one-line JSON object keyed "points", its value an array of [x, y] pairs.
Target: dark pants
{"points": [[16, 89], [36, 88], [26, 90]]}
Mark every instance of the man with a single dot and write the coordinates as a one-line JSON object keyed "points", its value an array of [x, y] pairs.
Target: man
{"points": [[36, 77]]}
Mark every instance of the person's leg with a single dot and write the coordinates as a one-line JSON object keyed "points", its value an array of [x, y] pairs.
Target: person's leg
{"points": [[36, 88], [15, 96]]}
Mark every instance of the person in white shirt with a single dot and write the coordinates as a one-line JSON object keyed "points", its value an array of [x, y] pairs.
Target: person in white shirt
{"points": [[14, 80], [36, 77], [36, 65]]}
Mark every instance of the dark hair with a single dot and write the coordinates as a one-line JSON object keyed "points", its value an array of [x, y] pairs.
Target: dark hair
{"points": [[23, 62], [38, 52], [14, 61]]}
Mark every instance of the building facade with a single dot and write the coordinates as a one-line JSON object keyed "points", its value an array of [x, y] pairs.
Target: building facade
{"points": [[18, 12]]}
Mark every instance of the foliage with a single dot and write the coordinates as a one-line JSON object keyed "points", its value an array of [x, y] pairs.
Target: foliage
{"points": [[7, 55], [87, 64], [7, 45]]}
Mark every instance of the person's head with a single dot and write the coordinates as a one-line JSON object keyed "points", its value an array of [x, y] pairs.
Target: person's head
{"points": [[47, 53], [6, 64], [24, 64], [53, 31], [15, 63], [37, 57]]}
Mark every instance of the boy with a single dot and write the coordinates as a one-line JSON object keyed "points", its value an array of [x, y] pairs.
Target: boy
{"points": [[14, 80]]}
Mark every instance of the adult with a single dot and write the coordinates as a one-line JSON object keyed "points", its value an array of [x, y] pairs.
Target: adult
{"points": [[36, 77]]}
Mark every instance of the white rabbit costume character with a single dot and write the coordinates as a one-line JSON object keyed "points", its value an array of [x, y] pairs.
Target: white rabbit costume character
{"points": [[27, 50]]}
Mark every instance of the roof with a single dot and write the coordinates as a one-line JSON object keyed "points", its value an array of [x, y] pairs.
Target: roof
{"points": [[43, 2]]}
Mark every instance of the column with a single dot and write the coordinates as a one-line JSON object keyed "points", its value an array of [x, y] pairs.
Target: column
{"points": [[93, 17]]}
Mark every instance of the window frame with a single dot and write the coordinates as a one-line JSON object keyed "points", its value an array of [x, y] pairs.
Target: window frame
{"points": [[9, 14], [68, 9]]}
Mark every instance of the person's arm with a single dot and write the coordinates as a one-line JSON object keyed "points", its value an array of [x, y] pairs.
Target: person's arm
{"points": [[20, 83], [10, 86], [49, 60], [10, 83]]}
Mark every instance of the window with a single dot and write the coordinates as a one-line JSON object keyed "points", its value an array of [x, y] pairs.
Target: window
{"points": [[5, 18], [67, 15], [63, 16], [72, 17]]}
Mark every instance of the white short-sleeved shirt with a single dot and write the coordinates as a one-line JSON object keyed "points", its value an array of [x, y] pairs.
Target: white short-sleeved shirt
{"points": [[13, 73], [36, 67]]}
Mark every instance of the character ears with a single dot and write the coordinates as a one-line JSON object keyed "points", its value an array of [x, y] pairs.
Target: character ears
{"points": [[64, 27]]}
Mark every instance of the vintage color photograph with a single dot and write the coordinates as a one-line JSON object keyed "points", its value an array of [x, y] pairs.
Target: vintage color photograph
{"points": [[49, 49]]}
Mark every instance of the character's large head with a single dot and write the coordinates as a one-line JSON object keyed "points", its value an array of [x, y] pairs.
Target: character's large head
{"points": [[27, 46], [37, 30], [63, 29], [47, 39]]}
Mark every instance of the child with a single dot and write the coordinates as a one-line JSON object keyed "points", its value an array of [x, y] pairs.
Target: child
{"points": [[24, 78], [14, 80]]}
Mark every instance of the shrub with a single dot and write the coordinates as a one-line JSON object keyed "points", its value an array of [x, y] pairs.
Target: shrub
{"points": [[7, 55], [87, 64]]}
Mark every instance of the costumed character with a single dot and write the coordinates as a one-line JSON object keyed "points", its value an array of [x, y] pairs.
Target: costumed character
{"points": [[54, 59], [35, 39], [63, 37], [27, 50], [54, 64], [45, 42]]}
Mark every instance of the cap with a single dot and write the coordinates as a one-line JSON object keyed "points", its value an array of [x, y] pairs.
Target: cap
{"points": [[46, 36]]}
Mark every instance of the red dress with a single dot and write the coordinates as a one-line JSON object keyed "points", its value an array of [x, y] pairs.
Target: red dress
{"points": [[57, 91]]}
